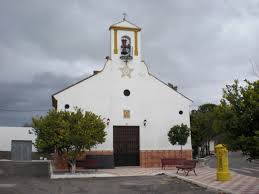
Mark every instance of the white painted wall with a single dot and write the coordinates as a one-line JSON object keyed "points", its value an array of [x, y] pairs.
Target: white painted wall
{"points": [[150, 99], [14, 133]]}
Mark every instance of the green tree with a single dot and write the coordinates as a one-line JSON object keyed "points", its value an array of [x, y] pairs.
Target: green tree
{"points": [[239, 117], [68, 133], [204, 128], [179, 135]]}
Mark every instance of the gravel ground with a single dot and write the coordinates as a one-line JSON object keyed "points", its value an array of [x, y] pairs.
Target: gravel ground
{"points": [[121, 185]]}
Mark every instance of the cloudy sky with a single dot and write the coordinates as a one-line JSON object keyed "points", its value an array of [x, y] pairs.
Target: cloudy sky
{"points": [[199, 45]]}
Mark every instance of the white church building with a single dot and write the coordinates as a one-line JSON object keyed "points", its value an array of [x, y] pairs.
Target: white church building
{"points": [[138, 108]]}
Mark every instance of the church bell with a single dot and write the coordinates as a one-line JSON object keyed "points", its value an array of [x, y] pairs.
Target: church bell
{"points": [[124, 47]]}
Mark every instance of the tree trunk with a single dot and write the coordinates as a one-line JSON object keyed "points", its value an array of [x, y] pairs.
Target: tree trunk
{"points": [[202, 150], [181, 151], [206, 148], [73, 166], [209, 147]]}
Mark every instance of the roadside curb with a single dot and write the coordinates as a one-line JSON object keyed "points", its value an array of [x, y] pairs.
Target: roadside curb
{"points": [[80, 175], [202, 184], [76, 175], [96, 175]]}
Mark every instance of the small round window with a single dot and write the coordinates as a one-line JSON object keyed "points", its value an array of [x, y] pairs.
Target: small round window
{"points": [[180, 112], [67, 106], [126, 92]]}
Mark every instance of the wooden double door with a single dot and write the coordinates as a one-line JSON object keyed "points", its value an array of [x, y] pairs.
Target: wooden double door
{"points": [[126, 145]]}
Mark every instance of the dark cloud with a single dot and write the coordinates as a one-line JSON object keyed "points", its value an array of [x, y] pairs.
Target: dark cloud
{"points": [[199, 46], [19, 102]]}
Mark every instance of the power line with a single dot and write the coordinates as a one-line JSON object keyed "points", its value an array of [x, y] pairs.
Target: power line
{"points": [[17, 110]]}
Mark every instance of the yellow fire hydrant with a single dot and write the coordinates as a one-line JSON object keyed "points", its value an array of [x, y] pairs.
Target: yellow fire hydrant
{"points": [[223, 173]]}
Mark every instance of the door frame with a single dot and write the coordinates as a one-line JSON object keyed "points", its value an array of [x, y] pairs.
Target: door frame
{"points": [[138, 127], [21, 149]]}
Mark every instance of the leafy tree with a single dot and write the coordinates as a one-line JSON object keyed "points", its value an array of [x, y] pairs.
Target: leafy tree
{"points": [[204, 127], [239, 117], [68, 133], [179, 135]]}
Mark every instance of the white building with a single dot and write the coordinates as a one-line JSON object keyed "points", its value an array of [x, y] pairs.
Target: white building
{"points": [[138, 107], [18, 134]]}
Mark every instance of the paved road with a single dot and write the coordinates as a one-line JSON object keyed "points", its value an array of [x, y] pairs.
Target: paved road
{"points": [[121, 185], [239, 164]]}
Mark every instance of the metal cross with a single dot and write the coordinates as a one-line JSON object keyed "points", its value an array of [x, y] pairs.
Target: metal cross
{"points": [[124, 16]]}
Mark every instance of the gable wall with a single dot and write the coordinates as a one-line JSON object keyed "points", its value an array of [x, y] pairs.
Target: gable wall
{"points": [[150, 99]]}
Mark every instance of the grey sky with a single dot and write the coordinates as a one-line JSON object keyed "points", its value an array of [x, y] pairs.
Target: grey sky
{"points": [[198, 45]]}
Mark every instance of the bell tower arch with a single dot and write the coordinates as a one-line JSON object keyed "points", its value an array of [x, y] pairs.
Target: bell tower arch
{"points": [[125, 41]]}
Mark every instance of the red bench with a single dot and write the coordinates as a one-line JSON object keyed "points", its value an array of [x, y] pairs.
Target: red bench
{"points": [[187, 166], [171, 162]]}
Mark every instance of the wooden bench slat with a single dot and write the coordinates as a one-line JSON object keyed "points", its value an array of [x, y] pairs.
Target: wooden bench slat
{"points": [[188, 165], [171, 162]]}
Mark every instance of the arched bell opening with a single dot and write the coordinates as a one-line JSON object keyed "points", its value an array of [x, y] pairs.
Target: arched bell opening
{"points": [[126, 48]]}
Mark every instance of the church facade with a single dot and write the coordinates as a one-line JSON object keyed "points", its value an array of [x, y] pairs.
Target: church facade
{"points": [[138, 108]]}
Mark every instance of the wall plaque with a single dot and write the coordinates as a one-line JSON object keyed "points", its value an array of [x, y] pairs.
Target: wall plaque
{"points": [[126, 114]]}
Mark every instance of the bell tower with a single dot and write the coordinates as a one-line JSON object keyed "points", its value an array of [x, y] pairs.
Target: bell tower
{"points": [[125, 41]]}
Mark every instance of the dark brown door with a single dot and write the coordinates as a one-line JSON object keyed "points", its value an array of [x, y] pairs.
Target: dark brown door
{"points": [[126, 145]]}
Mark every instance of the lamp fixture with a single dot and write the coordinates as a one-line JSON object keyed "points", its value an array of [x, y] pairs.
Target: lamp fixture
{"points": [[145, 122], [108, 122]]}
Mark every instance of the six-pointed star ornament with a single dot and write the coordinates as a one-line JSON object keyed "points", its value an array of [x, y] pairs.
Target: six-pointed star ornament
{"points": [[126, 71]]}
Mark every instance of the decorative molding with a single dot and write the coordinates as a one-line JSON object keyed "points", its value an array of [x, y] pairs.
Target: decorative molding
{"points": [[115, 42], [126, 71], [135, 30], [136, 43], [125, 28]]}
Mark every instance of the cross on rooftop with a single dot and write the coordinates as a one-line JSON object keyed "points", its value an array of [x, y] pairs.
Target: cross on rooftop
{"points": [[124, 16]]}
